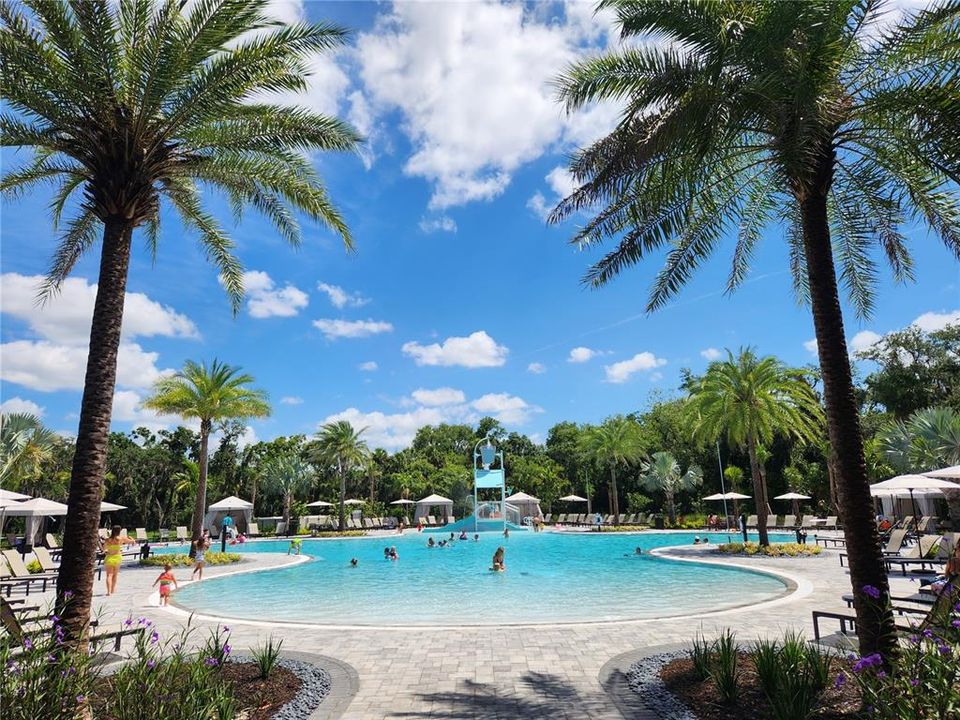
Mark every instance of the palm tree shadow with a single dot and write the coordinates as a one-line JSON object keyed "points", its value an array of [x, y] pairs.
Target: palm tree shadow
{"points": [[551, 697]]}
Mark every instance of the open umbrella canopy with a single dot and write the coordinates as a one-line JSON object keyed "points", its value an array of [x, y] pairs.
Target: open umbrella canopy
{"points": [[716, 496], [11, 495], [914, 482], [522, 497], [353, 501], [320, 503], [792, 496], [36, 506], [231, 503], [7, 502], [573, 498], [403, 501], [947, 473], [435, 500], [111, 507]]}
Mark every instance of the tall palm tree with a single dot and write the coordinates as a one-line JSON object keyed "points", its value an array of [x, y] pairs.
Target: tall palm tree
{"points": [[25, 444], [128, 105], [662, 474], [740, 116], [749, 400], [340, 446], [287, 473], [613, 444], [211, 394]]}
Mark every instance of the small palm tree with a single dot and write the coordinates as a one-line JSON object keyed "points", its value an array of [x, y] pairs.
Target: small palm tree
{"points": [[340, 446], [662, 474], [211, 394], [615, 443], [126, 106], [746, 116], [750, 400], [24, 446], [288, 473]]}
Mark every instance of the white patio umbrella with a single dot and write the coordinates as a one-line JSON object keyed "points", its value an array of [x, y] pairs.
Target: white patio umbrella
{"points": [[320, 503], [11, 495], [716, 496], [403, 501], [353, 501], [913, 483], [33, 510], [795, 497], [573, 498], [106, 507], [947, 473]]}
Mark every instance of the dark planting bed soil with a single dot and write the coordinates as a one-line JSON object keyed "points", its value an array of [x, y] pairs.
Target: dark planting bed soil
{"points": [[261, 698], [702, 699]]}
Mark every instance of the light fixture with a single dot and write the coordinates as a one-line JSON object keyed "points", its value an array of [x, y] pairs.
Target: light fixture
{"points": [[487, 454]]}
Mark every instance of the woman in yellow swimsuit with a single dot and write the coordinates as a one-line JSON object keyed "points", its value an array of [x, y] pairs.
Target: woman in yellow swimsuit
{"points": [[112, 550]]}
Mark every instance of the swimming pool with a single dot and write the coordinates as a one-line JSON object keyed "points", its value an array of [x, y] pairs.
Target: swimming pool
{"points": [[550, 577]]}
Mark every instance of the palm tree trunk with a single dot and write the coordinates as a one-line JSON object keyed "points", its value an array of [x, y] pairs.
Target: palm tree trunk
{"points": [[75, 579], [759, 491], [614, 500], [673, 509], [200, 503], [875, 625]]}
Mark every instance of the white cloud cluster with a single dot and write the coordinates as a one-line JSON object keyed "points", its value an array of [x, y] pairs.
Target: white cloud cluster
{"points": [[265, 300], [291, 400], [711, 354], [340, 298], [56, 357], [620, 372], [442, 405], [19, 405], [562, 184], [581, 355], [474, 351], [536, 368], [864, 340], [433, 62], [369, 366], [811, 346], [933, 321], [441, 223], [334, 329]]}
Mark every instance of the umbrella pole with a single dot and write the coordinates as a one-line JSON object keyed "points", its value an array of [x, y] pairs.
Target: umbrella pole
{"points": [[913, 504]]}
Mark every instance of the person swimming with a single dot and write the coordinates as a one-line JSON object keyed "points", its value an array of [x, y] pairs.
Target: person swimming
{"points": [[442, 543], [463, 534], [430, 543], [394, 555], [386, 553], [696, 540], [353, 562], [638, 550], [506, 533], [476, 537], [498, 564]]}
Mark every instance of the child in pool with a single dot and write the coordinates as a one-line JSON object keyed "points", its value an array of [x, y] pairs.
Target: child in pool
{"points": [[167, 582], [498, 563], [430, 543]]}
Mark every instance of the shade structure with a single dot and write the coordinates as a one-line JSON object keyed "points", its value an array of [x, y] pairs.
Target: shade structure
{"points": [[11, 495], [527, 505], [716, 496], [239, 510], [912, 484], [403, 501], [353, 501], [231, 503], [424, 506], [435, 500], [573, 498], [7, 502], [947, 473], [320, 503], [35, 510], [792, 496], [111, 507], [522, 497]]}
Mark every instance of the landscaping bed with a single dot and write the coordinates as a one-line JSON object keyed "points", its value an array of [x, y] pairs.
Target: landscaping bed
{"points": [[184, 560], [750, 549]]}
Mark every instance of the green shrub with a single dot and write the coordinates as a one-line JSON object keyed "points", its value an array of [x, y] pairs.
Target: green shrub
{"points": [[792, 675], [725, 666], [266, 656], [34, 566], [772, 550], [701, 655], [184, 560]]}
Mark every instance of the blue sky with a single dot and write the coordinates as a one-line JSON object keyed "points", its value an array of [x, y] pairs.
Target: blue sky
{"points": [[459, 301]]}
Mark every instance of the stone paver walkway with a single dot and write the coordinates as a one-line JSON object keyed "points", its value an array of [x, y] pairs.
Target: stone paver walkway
{"points": [[494, 673]]}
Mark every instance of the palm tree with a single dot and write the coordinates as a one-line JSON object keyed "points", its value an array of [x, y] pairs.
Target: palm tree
{"points": [[613, 444], [746, 115], [25, 444], [749, 400], [124, 105], [211, 394], [340, 446], [287, 473], [662, 474]]}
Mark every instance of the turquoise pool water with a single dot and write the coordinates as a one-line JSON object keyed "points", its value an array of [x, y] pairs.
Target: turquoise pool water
{"points": [[550, 577]]}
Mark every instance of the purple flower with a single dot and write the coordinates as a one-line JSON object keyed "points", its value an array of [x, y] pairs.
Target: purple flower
{"points": [[27, 645], [956, 623], [881, 674], [55, 619], [151, 664], [67, 594], [944, 650], [226, 628], [51, 658], [914, 682], [81, 698], [840, 681], [871, 591], [211, 662], [128, 622], [154, 637], [141, 620], [928, 634], [868, 661], [226, 649], [915, 638]]}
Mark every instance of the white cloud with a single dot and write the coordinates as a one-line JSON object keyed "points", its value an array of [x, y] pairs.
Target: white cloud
{"points": [[561, 183], [334, 329], [368, 366], [474, 351], [811, 346], [621, 371], [711, 354], [128, 408], [581, 355], [506, 408], [932, 321], [46, 366], [391, 431], [538, 205], [340, 298], [264, 300], [536, 368], [19, 405], [656, 376], [443, 223], [433, 62], [439, 396], [864, 339], [291, 400], [361, 117], [65, 318]]}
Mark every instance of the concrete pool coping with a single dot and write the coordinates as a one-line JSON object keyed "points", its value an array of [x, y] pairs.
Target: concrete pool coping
{"points": [[795, 588]]}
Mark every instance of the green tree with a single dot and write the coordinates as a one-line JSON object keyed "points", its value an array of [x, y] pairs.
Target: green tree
{"points": [[662, 474], [749, 400], [130, 105], [25, 447], [915, 370], [614, 444], [211, 394], [340, 446], [288, 474], [751, 115]]}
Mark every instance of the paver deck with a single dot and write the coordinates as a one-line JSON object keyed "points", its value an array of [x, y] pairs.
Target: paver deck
{"points": [[499, 672]]}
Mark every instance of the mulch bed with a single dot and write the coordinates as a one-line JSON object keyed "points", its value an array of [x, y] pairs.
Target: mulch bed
{"points": [[261, 698], [703, 700]]}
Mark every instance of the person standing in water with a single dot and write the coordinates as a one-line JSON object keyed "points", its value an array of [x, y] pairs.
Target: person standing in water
{"points": [[498, 564]]}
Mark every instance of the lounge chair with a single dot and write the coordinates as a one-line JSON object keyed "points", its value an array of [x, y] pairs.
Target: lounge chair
{"points": [[281, 528], [582, 519], [919, 554], [141, 535], [18, 571], [907, 523], [848, 619], [14, 626], [368, 523], [103, 533], [561, 519], [789, 521], [927, 524], [252, 529], [547, 518], [182, 534], [892, 548], [628, 519], [431, 521], [948, 543], [51, 541], [831, 522], [771, 521], [164, 534], [751, 521], [8, 582]]}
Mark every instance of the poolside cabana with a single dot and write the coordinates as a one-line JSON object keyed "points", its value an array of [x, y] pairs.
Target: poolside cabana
{"points": [[425, 505], [240, 510], [36, 511], [527, 505]]}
